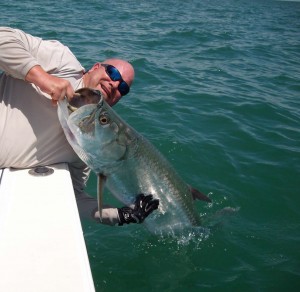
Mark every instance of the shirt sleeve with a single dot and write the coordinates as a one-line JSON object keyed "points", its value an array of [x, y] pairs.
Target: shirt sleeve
{"points": [[17, 51]]}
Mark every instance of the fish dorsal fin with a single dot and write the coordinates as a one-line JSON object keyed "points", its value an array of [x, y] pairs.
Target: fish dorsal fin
{"points": [[197, 195]]}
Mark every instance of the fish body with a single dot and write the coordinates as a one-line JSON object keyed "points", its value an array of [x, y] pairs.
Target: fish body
{"points": [[130, 163]]}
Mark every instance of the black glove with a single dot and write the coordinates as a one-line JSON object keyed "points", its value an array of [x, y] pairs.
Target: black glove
{"points": [[143, 206]]}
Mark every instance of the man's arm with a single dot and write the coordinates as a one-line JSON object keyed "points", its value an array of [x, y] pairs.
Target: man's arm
{"points": [[56, 87], [17, 52], [143, 206], [18, 58]]}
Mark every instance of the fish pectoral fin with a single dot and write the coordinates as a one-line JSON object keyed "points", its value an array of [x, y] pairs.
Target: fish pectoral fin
{"points": [[197, 195], [100, 189]]}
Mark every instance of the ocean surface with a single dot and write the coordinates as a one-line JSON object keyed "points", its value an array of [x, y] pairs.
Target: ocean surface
{"points": [[217, 90]]}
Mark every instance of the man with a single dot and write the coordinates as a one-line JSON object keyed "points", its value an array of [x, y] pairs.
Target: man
{"points": [[36, 74]]}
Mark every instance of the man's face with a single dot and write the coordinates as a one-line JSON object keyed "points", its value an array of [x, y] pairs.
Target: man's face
{"points": [[98, 78]]}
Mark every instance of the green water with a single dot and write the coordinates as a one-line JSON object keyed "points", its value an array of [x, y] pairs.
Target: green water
{"points": [[217, 91]]}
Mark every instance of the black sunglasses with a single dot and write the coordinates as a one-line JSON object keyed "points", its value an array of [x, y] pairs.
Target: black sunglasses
{"points": [[115, 75]]}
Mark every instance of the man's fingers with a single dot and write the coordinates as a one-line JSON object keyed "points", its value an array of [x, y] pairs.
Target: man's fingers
{"points": [[150, 207], [70, 93]]}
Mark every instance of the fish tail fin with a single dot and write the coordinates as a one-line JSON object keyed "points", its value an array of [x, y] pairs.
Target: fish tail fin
{"points": [[197, 195]]}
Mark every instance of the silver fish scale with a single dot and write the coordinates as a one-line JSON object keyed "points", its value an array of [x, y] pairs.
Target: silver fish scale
{"points": [[148, 172]]}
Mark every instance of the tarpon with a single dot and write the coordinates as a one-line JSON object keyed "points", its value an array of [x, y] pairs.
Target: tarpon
{"points": [[126, 161]]}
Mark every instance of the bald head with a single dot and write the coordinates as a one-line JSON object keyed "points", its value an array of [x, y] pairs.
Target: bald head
{"points": [[124, 68]]}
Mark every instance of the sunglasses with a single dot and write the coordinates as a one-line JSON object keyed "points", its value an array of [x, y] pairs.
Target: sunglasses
{"points": [[115, 75]]}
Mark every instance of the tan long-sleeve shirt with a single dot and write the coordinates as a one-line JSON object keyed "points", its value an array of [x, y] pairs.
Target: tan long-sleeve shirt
{"points": [[30, 132]]}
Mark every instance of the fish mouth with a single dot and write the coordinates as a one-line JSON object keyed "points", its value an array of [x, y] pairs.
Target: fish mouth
{"points": [[71, 108], [84, 96]]}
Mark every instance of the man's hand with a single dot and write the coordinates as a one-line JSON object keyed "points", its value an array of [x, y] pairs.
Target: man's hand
{"points": [[143, 207], [56, 87]]}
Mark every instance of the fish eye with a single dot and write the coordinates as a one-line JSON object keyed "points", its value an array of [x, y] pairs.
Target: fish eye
{"points": [[104, 120]]}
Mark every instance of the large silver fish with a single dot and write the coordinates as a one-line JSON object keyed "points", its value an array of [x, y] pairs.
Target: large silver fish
{"points": [[127, 162]]}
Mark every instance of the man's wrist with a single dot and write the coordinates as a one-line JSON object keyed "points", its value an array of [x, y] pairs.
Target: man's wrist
{"points": [[37, 76]]}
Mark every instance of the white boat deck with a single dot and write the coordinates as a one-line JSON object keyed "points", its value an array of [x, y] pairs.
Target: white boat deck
{"points": [[41, 240]]}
